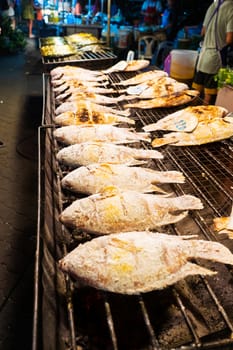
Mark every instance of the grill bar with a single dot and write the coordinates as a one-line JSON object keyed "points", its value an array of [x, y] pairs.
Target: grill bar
{"points": [[187, 319], [110, 323], [146, 318]]}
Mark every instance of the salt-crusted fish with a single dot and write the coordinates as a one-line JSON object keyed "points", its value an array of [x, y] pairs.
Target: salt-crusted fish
{"points": [[59, 83], [114, 210], [139, 262], [84, 105], [89, 117], [188, 118], [159, 87], [94, 177], [177, 99], [215, 130], [95, 98], [75, 84], [104, 133], [102, 152], [68, 93], [73, 70], [142, 77]]}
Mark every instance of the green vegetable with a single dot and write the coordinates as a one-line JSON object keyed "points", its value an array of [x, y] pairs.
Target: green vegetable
{"points": [[224, 77]]}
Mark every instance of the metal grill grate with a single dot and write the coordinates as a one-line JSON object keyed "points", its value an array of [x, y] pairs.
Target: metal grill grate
{"points": [[194, 313], [91, 60]]}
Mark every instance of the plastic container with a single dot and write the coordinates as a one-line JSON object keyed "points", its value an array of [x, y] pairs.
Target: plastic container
{"points": [[183, 64]]}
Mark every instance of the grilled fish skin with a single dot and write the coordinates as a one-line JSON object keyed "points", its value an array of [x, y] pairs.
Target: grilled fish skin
{"points": [[114, 210], [142, 77], [72, 70], [70, 92], [75, 84], [188, 118], [140, 262], [215, 130], [94, 177], [95, 98], [102, 152], [88, 117], [159, 87], [83, 105], [177, 99], [104, 133]]}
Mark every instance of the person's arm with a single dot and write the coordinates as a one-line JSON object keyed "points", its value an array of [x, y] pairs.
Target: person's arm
{"points": [[229, 38], [203, 30]]}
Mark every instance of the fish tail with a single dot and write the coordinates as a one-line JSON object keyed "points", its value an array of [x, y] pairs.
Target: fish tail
{"points": [[172, 219], [145, 154], [150, 127], [144, 136], [125, 120], [211, 251], [187, 202]]}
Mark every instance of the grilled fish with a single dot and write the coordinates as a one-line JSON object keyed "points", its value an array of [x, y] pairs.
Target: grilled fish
{"points": [[94, 97], [127, 66], [105, 133], [94, 177], [84, 105], [75, 84], [178, 99], [142, 77], [73, 70], [114, 210], [139, 262], [215, 130], [188, 118], [88, 117], [159, 87], [103, 152], [70, 92]]}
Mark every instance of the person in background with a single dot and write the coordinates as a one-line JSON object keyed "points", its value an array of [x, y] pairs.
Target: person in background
{"points": [[29, 15], [151, 10], [7, 10], [218, 34], [170, 20], [77, 11]]}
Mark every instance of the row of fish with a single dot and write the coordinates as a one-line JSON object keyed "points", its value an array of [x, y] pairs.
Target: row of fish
{"points": [[121, 206]]}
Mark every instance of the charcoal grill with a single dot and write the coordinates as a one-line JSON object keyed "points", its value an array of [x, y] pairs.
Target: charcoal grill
{"points": [[195, 313], [88, 59]]}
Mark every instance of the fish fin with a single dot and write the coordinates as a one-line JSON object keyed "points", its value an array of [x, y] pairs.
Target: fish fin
{"points": [[187, 202], [144, 136], [211, 251], [172, 219], [158, 142], [141, 154], [154, 188], [193, 269]]}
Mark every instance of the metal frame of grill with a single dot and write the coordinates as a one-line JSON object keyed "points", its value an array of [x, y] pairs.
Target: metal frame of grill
{"points": [[147, 324], [88, 59]]}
